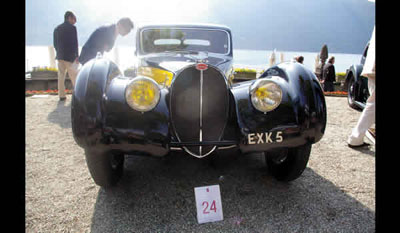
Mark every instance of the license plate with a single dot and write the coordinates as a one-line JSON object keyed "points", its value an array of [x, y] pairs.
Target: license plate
{"points": [[264, 137]]}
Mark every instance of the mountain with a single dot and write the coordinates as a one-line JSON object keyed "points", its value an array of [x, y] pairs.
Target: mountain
{"points": [[344, 25], [287, 25]]}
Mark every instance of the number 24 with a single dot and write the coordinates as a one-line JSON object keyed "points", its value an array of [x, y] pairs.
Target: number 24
{"points": [[212, 207]]}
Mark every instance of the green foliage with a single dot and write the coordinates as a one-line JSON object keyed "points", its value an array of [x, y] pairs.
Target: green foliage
{"points": [[245, 70], [45, 68], [340, 76]]}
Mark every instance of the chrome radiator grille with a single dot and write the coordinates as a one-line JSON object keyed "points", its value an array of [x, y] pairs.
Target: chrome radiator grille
{"points": [[199, 108]]}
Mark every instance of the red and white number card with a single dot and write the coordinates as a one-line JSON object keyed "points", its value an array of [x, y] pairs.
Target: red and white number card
{"points": [[208, 204]]}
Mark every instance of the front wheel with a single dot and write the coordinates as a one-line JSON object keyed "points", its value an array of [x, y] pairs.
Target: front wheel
{"points": [[105, 167], [288, 164]]}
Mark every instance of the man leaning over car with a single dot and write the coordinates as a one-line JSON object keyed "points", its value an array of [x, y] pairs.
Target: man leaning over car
{"points": [[103, 39]]}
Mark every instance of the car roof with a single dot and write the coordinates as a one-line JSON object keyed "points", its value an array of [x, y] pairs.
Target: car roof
{"points": [[186, 25]]}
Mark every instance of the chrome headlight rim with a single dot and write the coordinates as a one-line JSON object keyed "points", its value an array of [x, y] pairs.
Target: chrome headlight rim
{"points": [[254, 100], [128, 91]]}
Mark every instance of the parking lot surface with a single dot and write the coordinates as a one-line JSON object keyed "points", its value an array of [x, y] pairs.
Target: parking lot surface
{"points": [[336, 192]]}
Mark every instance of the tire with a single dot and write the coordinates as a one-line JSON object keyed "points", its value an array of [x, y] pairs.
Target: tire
{"points": [[288, 164], [351, 93], [106, 168]]}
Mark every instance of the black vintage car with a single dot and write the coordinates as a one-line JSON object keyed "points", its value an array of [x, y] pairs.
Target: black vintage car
{"points": [[180, 99], [357, 85]]}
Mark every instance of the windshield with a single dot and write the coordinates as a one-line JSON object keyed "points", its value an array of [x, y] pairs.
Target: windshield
{"points": [[178, 39]]}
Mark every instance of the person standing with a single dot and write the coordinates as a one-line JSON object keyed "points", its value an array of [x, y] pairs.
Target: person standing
{"points": [[367, 118], [103, 39], [329, 75], [65, 41]]}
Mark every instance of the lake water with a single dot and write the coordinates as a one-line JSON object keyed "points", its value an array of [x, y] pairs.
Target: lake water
{"points": [[258, 59]]}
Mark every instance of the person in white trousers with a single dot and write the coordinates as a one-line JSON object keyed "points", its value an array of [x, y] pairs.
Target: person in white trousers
{"points": [[367, 118]]}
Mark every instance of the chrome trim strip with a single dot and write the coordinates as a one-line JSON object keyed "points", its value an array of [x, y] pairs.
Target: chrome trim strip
{"points": [[199, 156], [201, 100], [201, 140], [227, 147], [201, 109], [175, 148]]}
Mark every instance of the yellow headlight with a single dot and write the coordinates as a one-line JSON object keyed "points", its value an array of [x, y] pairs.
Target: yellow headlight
{"points": [[265, 95], [159, 75], [142, 94]]}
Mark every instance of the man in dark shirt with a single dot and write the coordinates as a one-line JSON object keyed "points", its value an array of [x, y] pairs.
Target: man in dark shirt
{"points": [[329, 75], [65, 41], [103, 38]]}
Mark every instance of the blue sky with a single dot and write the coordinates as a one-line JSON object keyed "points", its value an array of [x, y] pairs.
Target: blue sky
{"points": [[289, 25]]}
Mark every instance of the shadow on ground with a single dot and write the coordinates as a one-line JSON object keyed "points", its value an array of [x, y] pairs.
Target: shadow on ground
{"points": [[61, 115], [365, 150], [157, 195]]}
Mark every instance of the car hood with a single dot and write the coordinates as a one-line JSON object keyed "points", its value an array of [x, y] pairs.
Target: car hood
{"points": [[176, 62]]}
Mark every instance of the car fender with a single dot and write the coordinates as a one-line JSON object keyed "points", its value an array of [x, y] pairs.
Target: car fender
{"points": [[353, 71], [299, 119], [132, 131], [87, 104]]}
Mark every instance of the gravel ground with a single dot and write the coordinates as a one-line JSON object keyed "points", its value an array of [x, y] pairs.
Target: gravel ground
{"points": [[336, 192]]}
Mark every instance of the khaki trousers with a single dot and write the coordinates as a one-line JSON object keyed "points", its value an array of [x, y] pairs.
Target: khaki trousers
{"points": [[63, 68]]}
